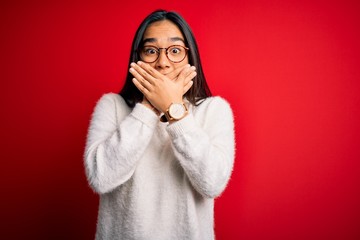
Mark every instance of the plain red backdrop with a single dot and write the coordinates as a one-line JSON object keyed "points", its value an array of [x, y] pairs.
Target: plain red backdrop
{"points": [[290, 70]]}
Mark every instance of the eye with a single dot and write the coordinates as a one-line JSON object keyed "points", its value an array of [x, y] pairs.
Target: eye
{"points": [[150, 50], [175, 50]]}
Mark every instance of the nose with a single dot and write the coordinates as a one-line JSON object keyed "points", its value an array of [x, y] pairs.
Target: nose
{"points": [[162, 61]]}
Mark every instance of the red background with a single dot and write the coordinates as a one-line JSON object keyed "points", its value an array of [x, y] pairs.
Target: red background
{"points": [[290, 70]]}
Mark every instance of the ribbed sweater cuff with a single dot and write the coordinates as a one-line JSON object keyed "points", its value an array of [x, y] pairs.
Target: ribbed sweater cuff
{"points": [[182, 126], [145, 115]]}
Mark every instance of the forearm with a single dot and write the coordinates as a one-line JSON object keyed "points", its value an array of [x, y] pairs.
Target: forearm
{"points": [[113, 150], [206, 156]]}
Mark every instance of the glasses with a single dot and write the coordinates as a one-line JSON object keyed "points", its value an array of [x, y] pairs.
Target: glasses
{"points": [[175, 53]]}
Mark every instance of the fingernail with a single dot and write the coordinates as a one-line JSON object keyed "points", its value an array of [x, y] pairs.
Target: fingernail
{"points": [[131, 69], [193, 68], [132, 64], [139, 63]]}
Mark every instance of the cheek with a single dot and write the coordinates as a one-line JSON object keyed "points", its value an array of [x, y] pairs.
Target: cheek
{"points": [[153, 65], [186, 60], [183, 63]]}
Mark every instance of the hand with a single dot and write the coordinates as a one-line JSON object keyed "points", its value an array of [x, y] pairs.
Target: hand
{"points": [[161, 90], [188, 81]]}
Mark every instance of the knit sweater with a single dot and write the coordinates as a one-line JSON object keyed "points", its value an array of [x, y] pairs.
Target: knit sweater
{"points": [[158, 181]]}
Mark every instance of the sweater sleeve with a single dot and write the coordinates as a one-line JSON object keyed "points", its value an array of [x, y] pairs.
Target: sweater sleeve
{"points": [[116, 140], [206, 152]]}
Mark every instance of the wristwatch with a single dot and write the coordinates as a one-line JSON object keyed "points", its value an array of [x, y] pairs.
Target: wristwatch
{"points": [[176, 111]]}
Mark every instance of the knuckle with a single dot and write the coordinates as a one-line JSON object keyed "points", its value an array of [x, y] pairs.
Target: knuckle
{"points": [[144, 73], [151, 71]]}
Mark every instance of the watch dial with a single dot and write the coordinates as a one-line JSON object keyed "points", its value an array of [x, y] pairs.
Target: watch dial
{"points": [[176, 110]]}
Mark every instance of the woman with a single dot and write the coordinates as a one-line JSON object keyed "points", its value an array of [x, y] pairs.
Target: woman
{"points": [[159, 152]]}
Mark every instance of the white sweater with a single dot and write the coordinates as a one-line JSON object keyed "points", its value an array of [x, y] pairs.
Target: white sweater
{"points": [[158, 181]]}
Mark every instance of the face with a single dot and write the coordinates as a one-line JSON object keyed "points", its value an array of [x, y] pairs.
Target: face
{"points": [[163, 34]]}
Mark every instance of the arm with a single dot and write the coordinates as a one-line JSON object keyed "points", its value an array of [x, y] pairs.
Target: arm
{"points": [[206, 152], [113, 149]]}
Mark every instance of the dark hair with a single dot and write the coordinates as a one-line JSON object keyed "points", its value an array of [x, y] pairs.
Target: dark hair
{"points": [[199, 91]]}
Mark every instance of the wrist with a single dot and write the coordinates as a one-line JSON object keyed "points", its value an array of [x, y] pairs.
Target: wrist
{"points": [[148, 105], [175, 120], [176, 111]]}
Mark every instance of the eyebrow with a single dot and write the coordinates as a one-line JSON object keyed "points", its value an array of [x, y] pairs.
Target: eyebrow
{"points": [[152, 40]]}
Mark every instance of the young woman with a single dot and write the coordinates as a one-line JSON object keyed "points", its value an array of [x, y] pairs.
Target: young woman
{"points": [[159, 152]]}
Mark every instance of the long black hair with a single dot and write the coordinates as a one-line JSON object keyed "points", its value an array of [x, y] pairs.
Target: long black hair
{"points": [[199, 91]]}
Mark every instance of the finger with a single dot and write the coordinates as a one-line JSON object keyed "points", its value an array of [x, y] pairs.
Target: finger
{"points": [[143, 72], [150, 71], [139, 86], [188, 80], [185, 73], [189, 74], [189, 77], [136, 74], [175, 74], [188, 86], [140, 78]]}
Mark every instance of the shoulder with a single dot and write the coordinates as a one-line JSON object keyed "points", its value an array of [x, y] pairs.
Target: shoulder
{"points": [[111, 97], [111, 101], [215, 103], [214, 108], [216, 100]]}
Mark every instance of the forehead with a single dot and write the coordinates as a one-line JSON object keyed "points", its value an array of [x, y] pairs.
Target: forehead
{"points": [[162, 30]]}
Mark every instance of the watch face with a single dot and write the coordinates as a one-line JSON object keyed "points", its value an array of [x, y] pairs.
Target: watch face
{"points": [[177, 110]]}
